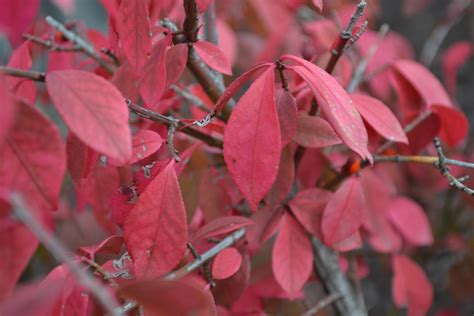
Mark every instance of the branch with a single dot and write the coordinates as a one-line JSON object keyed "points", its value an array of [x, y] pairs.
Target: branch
{"points": [[322, 304], [190, 267], [454, 13], [100, 292], [326, 263], [163, 119], [444, 169], [81, 43], [360, 70], [51, 44], [431, 160], [345, 36], [27, 74]]}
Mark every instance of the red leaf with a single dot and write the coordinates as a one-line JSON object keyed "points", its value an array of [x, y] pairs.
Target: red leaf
{"points": [[33, 158], [252, 140], [352, 242], [144, 144], [16, 16], [21, 59], [454, 124], [80, 158], [171, 298], [343, 213], [308, 207], [226, 263], [410, 286], [111, 245], [219, 226], [411, 221], [284, 180], [93, 109], [378, 115], [176, 58], [318, 4], [336, 104], [134, 30], [314, 132], [18, 245], [424, 82], [292, 256], [7, 104], [287, 113], [153, 78], [237, 84], [213, 57], [155, 231], [454, 58]]}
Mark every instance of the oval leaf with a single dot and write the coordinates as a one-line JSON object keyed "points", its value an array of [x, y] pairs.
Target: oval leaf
{"points": [[314, 132], [153, 78], [411, 221], [410, 286], [292, 256], [226, 263], [287, 113], [336, 104], [33, 158], [144, 144], [134, 31], [93, 109], [343, 213], [378, 115], [155, 231], [213, 57], [220, 226], [252, 140]]}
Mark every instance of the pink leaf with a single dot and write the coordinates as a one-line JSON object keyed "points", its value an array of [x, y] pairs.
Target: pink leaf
{"points": [[378, 115], [226, 263], [153, 78], [314, 132], [454, 124], [93, 109], [176, 57], [308, 207], [336, 105], [252, 140], [144, 144], [452, 60], [18, 245], [33, 158], [80, 158], [318, 4], [424, 82], [221, 226], [411, 221], [8, 106], [410, 286], [16, 16], [343, 213], [133, 26], [287, 114], [237, 84], [155, 231], [352, 242], [292, 256], [213, 57], [284, 180]]}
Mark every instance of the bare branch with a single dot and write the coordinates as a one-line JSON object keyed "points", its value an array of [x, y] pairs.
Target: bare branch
{"points": [[170, 142], [444, 169], [322, 304], [192, 266], [23, 213], [51, 44], [27, 74], [81, 43]]}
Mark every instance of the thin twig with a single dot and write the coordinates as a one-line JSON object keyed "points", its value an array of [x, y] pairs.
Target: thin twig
{"points": [[423, 160], [51, 44], [167, 120], [170, 142], [100, 292], [192, 266], [85, 46], [444, 169], [359, 71], [345, 36], [454, 14], [27, 74], [322, 304]]}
